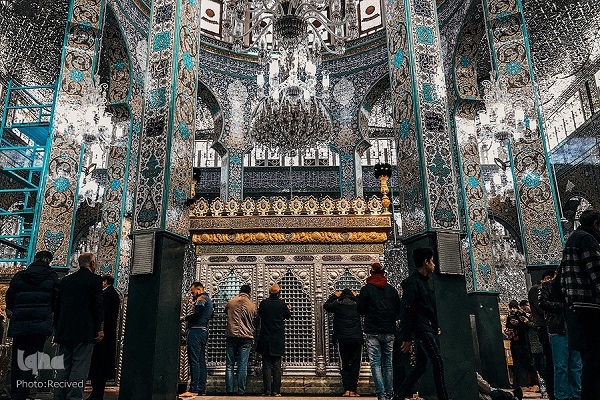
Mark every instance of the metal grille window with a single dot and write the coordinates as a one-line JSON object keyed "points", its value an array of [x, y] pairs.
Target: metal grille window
{"points": [[347, 280], [299, 329], [215, 349]]}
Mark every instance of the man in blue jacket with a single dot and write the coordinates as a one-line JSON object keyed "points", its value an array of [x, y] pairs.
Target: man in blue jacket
{"points": [[379, 302], [197, 337], [31, 300], [419, 323]]}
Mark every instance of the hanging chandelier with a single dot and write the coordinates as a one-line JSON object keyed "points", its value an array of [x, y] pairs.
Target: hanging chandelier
{"points": [[291, 116], [273, 25], [289, 38], [503, 119]]}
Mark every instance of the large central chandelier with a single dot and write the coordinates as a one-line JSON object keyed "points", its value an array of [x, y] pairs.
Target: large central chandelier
{"points": [[289, 38]]}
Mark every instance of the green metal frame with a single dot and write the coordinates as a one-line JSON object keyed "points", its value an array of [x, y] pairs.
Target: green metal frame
{"points": [[25, 165]]}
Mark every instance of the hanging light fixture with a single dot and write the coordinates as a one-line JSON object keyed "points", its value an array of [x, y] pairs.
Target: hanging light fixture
{"points": [[289, 38]]}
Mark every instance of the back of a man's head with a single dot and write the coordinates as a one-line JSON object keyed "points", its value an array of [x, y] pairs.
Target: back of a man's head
{"points": [[85, 260], [44, 256], [588, 218], [245, 289]]}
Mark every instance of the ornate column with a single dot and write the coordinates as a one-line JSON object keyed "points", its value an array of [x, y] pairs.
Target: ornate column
{"points": [[428, 195], [113, 204], [428, 200], [78, 65], [481, 277], [164, 180], [536, 198]]}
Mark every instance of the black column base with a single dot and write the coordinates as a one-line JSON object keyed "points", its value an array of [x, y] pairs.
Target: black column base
{"points": [[490, 345], [456, 341], [152, 329]]}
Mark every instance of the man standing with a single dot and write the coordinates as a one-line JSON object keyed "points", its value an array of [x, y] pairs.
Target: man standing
{"points": [[579, 277], [31, 299], [197, 337], [567, 361], [241, 315], [79, 321], [419, 322], [347, 333], [104, 357], [379, 302], [271, 341], [543, 362]]}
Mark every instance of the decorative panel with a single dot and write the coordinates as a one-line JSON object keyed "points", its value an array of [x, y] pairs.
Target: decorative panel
{"points": [[166, 137], [537, 202], [430, 94], [412, 202], [60, 192], [481, 263], [465, 56], [184, 118]]}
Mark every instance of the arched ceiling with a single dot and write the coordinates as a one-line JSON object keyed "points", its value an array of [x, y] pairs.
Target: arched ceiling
{"points": [[564, 37], [565, 43]]}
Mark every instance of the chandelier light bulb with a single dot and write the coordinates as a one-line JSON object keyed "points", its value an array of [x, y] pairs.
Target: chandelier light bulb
{"points": [[519, 114], [274, 68], [260, 80], [532, 124], [484, 118], [325, 80]]}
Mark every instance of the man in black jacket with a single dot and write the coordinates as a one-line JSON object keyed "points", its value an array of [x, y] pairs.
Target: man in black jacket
{"points": [[347, 333], [271, 340], [31, 299], [379, 302], [419, 323], [104, 356], [567, 361], [79, 321]]}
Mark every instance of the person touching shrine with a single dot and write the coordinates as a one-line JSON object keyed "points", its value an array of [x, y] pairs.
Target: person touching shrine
{"points": [[197, 337], [347, 332], [271, 340]]}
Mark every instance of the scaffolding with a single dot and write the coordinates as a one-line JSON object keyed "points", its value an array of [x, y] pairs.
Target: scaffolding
{"points": [[24, 147]]}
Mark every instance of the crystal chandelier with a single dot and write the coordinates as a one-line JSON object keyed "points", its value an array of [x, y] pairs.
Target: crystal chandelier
{"points": [[312, 24], [289, 38], [503, 118], [87, 122], [291, 117]]}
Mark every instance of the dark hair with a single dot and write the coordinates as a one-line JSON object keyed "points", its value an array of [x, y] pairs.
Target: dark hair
{"points": [[421, 254], [513, 304], [108, 278], [245, 289], [548, 272], [347, 292], [523, 303], [197, 284], [44, 255], [588, 217]]}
